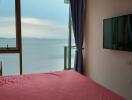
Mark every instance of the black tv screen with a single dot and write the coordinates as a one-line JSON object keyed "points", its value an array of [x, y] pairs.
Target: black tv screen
{"points": [[117, 33]]}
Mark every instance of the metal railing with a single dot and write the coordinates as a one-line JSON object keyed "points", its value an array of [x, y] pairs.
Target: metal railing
{"points": [[67, 57]]}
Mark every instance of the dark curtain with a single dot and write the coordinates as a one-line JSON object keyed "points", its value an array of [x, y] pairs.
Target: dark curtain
{"points": [[77, 12]]}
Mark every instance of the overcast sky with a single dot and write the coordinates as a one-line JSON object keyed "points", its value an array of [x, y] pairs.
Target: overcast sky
{"points": [[40, 18]]}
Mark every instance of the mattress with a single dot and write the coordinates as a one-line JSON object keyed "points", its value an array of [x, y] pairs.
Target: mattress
{"points": [[64, 85]]}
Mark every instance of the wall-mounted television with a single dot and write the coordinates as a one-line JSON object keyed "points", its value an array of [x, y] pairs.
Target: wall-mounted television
{"points": [[117, 33]]}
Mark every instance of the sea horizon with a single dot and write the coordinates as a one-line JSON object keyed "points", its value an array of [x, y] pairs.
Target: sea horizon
{"points": [[39, 55]]}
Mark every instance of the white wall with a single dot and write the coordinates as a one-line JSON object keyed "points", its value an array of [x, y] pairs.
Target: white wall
{"points": [[107, 67]]}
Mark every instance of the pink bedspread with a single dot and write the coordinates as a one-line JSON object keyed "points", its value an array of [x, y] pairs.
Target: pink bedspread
{"points": [[66, 85]]}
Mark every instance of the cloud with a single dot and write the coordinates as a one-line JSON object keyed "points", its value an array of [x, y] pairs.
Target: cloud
{"points": [[33, 27], [31, 21]]}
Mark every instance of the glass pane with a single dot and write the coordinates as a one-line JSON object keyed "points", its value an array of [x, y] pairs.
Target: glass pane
{"points": [[44, 32], [10, 64], [73, 51], [7, 24]]}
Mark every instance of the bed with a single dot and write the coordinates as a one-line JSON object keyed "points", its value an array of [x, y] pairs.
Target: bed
{"points": [[63, 85]]}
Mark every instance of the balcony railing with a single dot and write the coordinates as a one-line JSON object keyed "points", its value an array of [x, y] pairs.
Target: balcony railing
{"points": [[68, 57]]}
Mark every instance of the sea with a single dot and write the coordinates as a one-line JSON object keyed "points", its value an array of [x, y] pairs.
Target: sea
{"points": [[39, 56]]}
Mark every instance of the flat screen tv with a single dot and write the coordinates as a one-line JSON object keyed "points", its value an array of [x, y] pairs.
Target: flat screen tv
{"points": [[117, 33]]}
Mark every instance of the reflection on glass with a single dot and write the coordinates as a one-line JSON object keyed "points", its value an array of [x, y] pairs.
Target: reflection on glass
{"points": [[118, 33]]}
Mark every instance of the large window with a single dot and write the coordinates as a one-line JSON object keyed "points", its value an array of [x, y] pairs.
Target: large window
{"points": [[10, 32], [10, 36], [44, 33]]}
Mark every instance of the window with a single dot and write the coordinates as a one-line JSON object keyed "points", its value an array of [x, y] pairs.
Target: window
{"points": [[10, 26], [10, 33], [44, 33]]}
